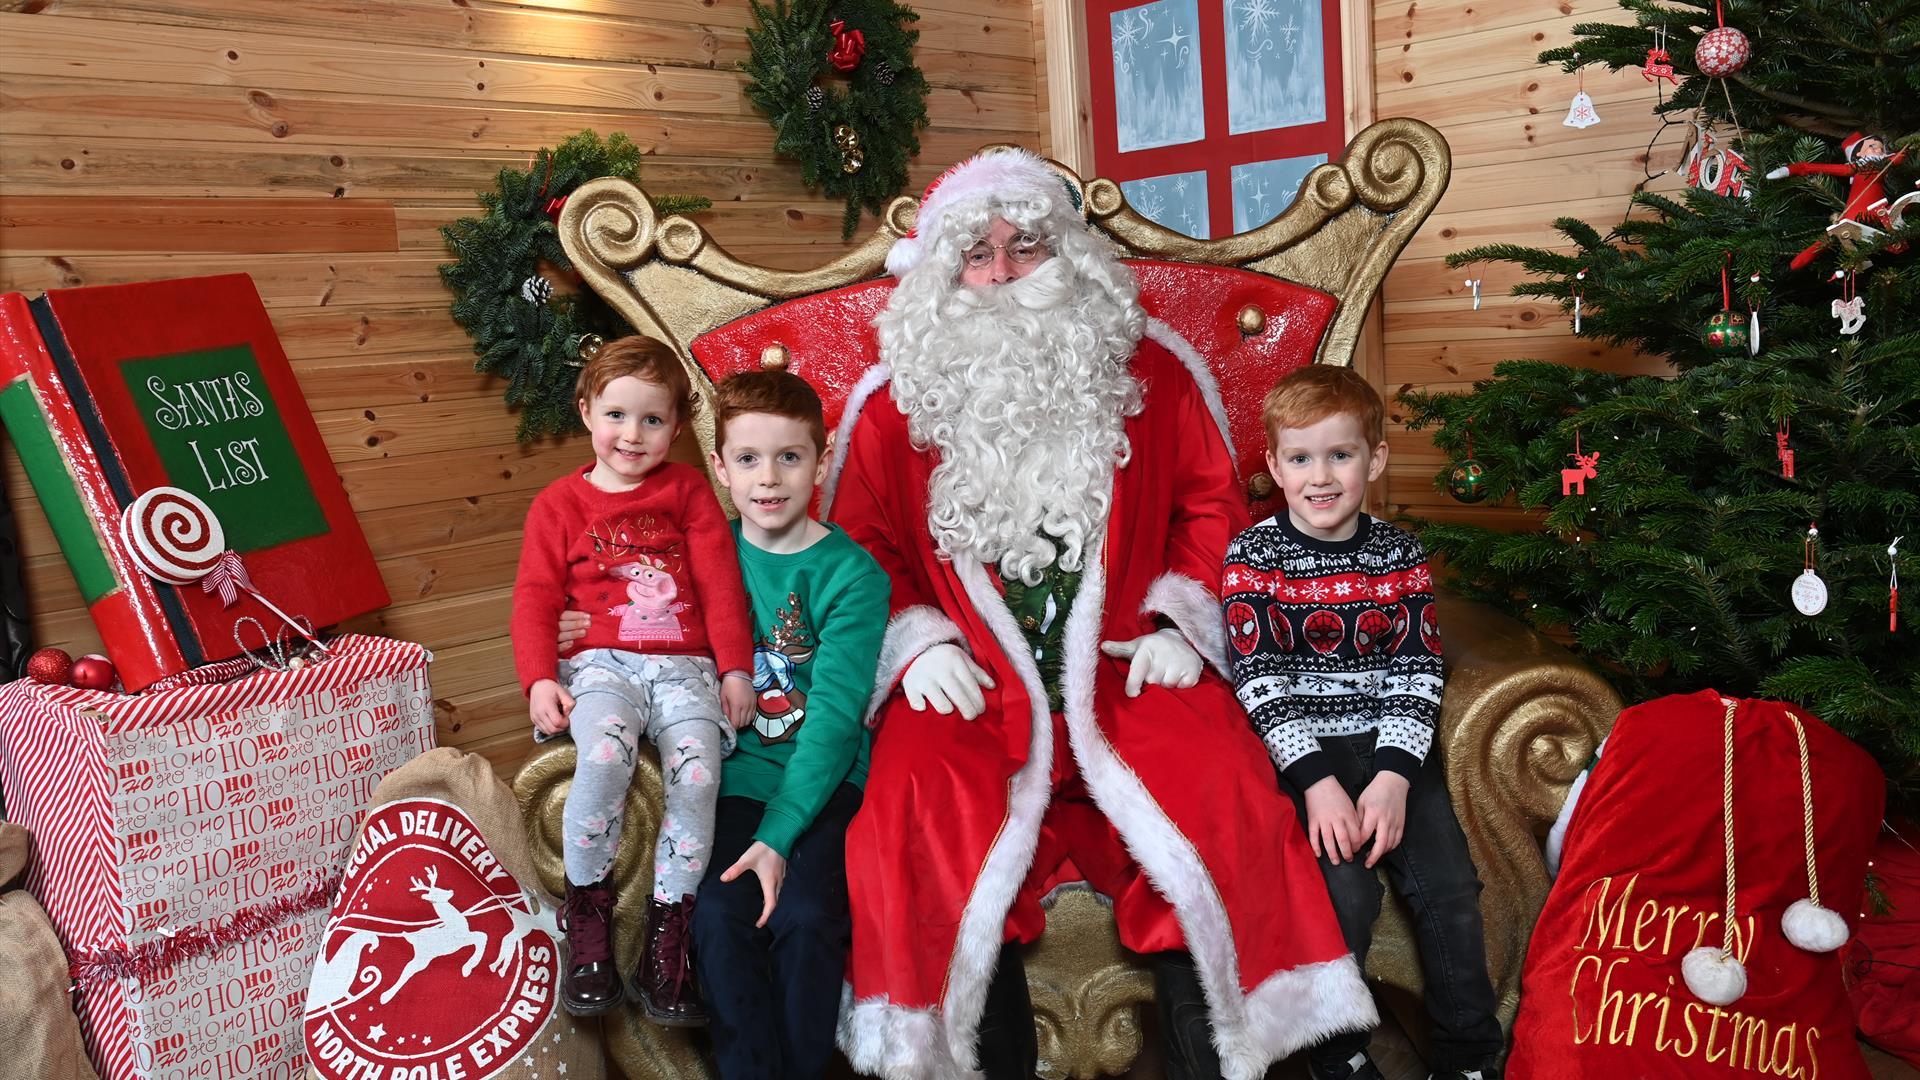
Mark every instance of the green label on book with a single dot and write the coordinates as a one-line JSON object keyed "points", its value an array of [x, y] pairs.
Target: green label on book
{"points": [[72, 525], [220, 436]]}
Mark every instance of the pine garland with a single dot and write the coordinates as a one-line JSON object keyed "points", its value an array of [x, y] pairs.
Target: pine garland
{"points": [[855, 130], [523, 329]]}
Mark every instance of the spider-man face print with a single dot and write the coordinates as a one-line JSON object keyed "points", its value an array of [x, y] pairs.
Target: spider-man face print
{"points": [[1242, 630], [1281, 626], [1397, 614], [1430, 630], [1370, 632], [1324, 631]]}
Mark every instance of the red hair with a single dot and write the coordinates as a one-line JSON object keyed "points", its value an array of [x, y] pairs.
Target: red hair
{"points": [[776, 393], [643, 358], [1317, 391]]}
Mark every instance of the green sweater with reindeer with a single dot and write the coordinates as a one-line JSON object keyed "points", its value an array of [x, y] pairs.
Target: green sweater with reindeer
{"points": [[818, 617]]}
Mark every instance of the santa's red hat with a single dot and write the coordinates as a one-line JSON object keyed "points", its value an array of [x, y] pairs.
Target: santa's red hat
{"points": [[1005, 174]]}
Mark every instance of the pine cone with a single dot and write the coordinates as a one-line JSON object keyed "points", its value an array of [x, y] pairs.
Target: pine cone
{"points": [[883, 71], [536, 290], [816, 97]]}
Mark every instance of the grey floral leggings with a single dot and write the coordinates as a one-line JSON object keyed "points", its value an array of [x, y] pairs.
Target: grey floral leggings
{"points": [[675, 702]]}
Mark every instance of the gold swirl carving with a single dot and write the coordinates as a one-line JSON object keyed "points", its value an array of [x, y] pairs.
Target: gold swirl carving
{"points": [[1086, 991], [642, 1050]]}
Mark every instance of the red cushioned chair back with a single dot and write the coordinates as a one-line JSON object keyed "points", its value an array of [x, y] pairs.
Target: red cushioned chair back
{"points": [[830, 341]]}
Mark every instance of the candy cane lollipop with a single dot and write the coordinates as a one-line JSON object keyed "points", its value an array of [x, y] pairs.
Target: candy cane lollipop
{"points": [[172, 535]]}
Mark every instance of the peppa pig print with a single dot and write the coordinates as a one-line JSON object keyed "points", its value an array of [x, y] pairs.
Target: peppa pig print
{"points": [[651, 614]]}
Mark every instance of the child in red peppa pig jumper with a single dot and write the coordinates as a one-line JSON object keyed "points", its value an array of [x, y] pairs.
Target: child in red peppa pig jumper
{"points": [[641, 544]]}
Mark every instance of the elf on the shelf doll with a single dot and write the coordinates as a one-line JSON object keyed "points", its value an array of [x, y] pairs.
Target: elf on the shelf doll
{"points": [[1866, 166]]}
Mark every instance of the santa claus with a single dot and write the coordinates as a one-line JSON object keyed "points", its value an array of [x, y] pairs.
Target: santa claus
{"points": [[1045, 475]]}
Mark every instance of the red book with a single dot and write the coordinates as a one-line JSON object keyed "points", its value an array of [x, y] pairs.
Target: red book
{"points": [[113, 391]]}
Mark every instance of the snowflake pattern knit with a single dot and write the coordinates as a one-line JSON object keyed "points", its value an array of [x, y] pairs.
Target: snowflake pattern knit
{"points": [[1334, 638]]}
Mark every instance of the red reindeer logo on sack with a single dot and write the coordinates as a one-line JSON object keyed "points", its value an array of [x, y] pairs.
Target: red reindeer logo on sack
{"points": [[435, 962]]}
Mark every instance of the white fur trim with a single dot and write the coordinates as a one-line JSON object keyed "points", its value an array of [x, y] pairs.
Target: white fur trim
{"points": [[912, 631], [892, 1041], [1557, 836], [875, 378], [1813, 927], [1010, 174], [1290, 1009], [1169, 339], [1195, 612], [1714, 977]]}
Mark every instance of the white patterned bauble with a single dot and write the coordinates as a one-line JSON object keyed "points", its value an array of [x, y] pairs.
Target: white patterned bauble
{"points": [[1722, 51]]}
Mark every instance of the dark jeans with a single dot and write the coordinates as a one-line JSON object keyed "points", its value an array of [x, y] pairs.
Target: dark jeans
{"points": [[1433, 872], [773, 992]]}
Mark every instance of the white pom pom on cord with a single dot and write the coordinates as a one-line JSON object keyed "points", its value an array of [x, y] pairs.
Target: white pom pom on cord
{"points": [[1814, 928], [1714, 977]]}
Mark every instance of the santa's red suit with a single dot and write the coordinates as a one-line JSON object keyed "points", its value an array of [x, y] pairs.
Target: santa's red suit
{"points": [[1165, 802]]}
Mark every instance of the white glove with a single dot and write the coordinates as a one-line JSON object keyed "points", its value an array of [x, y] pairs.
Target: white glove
{"points": [[1162, 658], [946, 678], [1780, 173]]}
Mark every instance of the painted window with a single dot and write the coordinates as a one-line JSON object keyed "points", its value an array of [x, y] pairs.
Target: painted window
{"points": [[1209, 112]]}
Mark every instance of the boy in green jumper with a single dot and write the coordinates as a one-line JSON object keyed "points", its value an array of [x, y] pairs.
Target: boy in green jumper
{"points": [[771, 952]]}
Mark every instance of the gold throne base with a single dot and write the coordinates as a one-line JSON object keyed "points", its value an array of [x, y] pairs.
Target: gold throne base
{"points": [[1522, 717]]}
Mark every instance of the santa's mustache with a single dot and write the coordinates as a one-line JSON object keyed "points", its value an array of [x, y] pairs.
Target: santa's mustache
{"points": [[1049, 285]]}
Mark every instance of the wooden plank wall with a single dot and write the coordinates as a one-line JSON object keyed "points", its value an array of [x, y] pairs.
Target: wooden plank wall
{"points": [[319, 146], [1468, 67]]}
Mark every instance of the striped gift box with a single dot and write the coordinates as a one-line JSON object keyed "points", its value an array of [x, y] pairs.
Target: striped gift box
{"points": [[185, 839]]}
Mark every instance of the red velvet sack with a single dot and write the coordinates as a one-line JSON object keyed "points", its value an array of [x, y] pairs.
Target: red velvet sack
{"points": [[1643, 881], [1884, 957]]}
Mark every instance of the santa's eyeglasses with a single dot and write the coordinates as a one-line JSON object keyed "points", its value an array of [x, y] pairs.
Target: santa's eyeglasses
{"points": [[1024, 249]]}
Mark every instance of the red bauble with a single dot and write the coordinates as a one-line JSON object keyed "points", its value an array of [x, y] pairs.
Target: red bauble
{"points": [[94, 673], [50, 666], [1721, 52]]}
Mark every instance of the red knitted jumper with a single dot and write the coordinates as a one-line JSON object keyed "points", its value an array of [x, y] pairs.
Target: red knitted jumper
{"points": [[654, 566]]}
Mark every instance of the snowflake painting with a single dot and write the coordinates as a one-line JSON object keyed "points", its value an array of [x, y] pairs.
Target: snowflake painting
{"points": [[1275, 67], [1156, 75], [1262, 189], [1177, 201]]}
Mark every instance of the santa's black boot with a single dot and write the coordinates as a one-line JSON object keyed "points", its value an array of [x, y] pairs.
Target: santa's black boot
{"points": [[1007, 1046], [592, 983], [664, 983], [1186, 1032]]}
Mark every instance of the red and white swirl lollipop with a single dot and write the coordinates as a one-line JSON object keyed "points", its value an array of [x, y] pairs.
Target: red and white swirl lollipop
{"points": [[173, 535]]}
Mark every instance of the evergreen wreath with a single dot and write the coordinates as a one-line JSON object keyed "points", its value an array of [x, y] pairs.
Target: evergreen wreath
{"points": [[523, 328], [854, 142]]}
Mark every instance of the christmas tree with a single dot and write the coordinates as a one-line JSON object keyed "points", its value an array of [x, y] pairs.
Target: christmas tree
{"points": [[1680, 566]]}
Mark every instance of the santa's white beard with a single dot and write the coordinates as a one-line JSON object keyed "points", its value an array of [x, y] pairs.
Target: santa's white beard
{"points": [[1024, 391]]}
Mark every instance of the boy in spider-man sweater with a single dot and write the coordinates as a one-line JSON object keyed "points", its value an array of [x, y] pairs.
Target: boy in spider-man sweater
{"points": [[1336, 656]]}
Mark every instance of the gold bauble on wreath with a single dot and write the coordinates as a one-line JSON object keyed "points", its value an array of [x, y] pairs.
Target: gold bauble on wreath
{"points": [[847, 141]]}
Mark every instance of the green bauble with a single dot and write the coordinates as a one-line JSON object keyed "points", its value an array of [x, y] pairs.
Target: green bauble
{"points": [[1468, 481], [1725, 334]]}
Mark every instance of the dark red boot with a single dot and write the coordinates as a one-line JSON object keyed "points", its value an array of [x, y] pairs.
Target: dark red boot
{"points": [[592, 983], [664, 984]]}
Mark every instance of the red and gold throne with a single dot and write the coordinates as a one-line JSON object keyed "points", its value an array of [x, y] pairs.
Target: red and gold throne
{"points": [[1521, 716]]}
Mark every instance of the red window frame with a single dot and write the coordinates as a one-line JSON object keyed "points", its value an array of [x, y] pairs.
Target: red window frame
{"points": [[1216, 152]]}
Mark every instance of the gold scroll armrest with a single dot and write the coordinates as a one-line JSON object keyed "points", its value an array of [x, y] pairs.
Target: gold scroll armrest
{"points": [[643, 1051]]}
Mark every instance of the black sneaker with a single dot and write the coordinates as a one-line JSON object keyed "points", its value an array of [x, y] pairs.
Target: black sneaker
{"points": [[1357, 1067], [1484, 1073]]}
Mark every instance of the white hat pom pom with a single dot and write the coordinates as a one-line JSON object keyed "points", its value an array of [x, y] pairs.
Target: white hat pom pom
{"points": [[1714, 976], [1814, 928]]}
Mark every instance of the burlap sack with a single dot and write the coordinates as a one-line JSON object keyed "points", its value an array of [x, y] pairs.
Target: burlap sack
{"points": [[442, 959], [37, 1027]]}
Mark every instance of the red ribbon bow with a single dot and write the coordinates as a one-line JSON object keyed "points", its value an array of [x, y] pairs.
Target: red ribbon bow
{"points": [[848, 47], [227, 578], [554, 206]]}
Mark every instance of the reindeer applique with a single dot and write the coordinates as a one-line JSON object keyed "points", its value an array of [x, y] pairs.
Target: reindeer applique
{"points": [[781, 706], [444, 938], [1574, 481]]}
